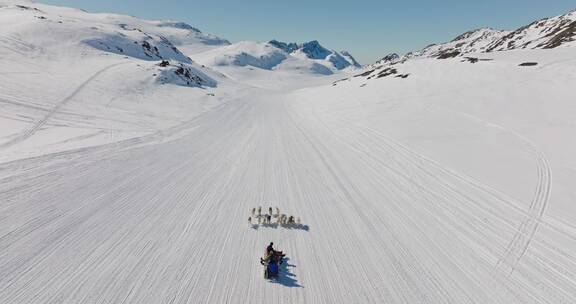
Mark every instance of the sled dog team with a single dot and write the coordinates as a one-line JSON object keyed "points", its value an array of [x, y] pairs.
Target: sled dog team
{"points": [[266, 218]]}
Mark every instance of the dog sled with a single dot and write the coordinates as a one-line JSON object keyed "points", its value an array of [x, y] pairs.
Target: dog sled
{"points": [[272, 263]]}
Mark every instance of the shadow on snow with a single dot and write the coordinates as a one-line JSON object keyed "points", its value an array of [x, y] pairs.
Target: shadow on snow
{"points": [[285, 277]]}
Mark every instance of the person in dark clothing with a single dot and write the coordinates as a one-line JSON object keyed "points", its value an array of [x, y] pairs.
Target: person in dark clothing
{"points": [[272, 256], [270, 248]]}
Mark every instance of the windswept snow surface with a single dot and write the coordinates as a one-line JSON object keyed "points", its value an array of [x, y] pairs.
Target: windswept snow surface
{"points": [[454, 184]]}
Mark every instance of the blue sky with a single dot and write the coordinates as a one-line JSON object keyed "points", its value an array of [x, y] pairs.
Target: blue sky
{"points": [[368, 29]]}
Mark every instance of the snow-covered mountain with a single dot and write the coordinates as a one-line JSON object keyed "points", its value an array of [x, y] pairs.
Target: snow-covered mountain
{"points": [[350, 59], [548, 33], [314, 50], [47, 33], [156, 40], [388, 59], [475, 41], [309, 57], [559, 31]]}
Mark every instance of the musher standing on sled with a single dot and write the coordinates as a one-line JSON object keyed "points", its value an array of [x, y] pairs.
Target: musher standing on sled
{"points": [[270, 248], [271, 261]]}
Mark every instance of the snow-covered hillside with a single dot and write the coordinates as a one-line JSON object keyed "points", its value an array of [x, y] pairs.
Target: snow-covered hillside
{"points": [[132, 153], [491, 136], [71, 79]]}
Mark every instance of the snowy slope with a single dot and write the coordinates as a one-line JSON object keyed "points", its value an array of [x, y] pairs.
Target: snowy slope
{"points": [[129, 176], [71, 79], [492, 136], [186, 37]]}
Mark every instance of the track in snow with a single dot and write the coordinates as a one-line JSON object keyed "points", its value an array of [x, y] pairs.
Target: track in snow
{"points": [[35, 126], [167, 222]]}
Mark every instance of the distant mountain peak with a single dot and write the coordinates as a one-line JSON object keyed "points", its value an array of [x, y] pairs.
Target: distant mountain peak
{"points": [[350, 58], [286, 47], [314, 50], [472, 33], [179, 25], [390, 57]]}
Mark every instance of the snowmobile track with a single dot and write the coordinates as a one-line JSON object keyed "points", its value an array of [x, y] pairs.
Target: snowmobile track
{"points": [[42, 121]]}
